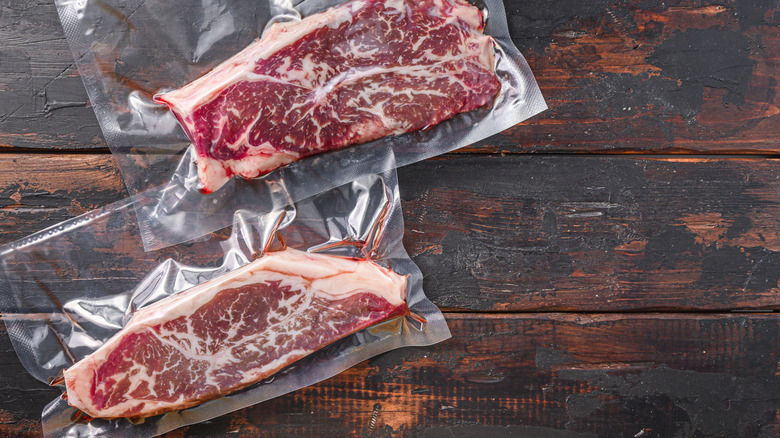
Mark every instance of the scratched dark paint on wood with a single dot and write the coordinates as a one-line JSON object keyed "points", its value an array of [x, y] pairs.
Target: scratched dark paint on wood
{"points": [[517, 233], [590, 233], [647, 75], [43, 103], [619, 76], [543, 375], [38, 191]]}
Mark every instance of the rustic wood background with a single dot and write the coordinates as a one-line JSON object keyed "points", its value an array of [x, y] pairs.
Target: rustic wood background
{"points": [[609, 268]]}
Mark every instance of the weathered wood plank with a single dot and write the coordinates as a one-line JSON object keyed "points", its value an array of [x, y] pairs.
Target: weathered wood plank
{"points": [[43, 103], [655, 76], [546, 375], [522, 233], [38, 191], [619, 76], [589, 233]]}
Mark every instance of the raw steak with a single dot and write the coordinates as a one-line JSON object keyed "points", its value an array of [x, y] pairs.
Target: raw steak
{"points": [[354, 73], [231, 332]]}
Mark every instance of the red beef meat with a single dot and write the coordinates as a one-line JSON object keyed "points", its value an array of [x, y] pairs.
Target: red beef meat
{"points": [[354, 73], [231, 332]]}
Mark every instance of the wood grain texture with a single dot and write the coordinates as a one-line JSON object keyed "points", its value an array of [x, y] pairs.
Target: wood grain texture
{"points": [[543, 375], [43, 103], [520, 233], [649, 76], [38, 191], [589, 233], [619, 76]]}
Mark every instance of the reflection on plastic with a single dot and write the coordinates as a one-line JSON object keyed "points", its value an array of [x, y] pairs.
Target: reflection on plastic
{"points": [[280, 12], [68, 289], [130, 49]]}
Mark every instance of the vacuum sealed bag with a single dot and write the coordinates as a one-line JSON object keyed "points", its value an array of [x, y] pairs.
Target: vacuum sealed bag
{"points": [[146, 342], [294, 98]]}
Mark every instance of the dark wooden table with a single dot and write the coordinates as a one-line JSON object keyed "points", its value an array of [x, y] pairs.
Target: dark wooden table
{"points": [[609, 268]]}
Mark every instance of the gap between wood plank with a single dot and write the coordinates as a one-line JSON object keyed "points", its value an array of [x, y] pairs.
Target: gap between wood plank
{"points": [[666, 312], [748, 313], [4, 150]]}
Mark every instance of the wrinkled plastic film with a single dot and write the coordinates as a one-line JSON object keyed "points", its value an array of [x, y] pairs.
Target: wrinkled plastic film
{"points": [[68, 289], [127, 51]]}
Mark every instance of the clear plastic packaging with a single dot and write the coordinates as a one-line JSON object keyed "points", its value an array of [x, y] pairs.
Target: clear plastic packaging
{"points": [[128, 50], [69, 288]]}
